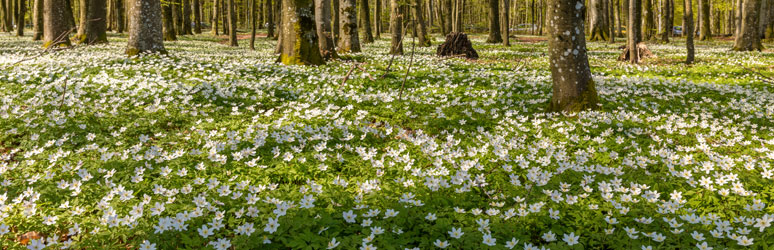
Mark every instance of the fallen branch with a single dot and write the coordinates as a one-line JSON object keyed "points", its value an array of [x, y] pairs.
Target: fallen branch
{"points": [[764, 78], [411, 62], [405, 26], [53, 47]]}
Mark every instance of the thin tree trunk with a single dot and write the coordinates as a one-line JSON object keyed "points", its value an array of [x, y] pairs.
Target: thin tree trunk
{"points": [[299, 39], [95, 23], [688, 26], [611, 21], [649, 29], [232, 22], [186, 4], [37, 20], [447, 16], [322, 15], [350, 42], [83, 10], [4, 14], [598, 21], [506, 33], [55, 28], [121, 15], [216, 16], [664, 23], [422, 35], [573, 87], [145, 28], [21, 8], [336, 22], [749, 39], [253, 19], [267, 7], [197, 12], [633, 31], [396, 28], [377, 19], [738, 18], [705, 33], [494, 22], [365, 18]]}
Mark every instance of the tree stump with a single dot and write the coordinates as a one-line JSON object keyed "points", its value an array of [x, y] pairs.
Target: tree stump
{"points": [[644, 52], [457, 45]]}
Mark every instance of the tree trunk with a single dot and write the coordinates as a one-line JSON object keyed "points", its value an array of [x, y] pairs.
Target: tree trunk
{"points": [[121, 15], [232, 29], [336, 21], [649, 28], [168, 23], [37, 20], [770, 28], [322, 16], [377, 19], [197, 12], [224, 16], [3, 14], [573, 87], [598, 22], [177, 17], [704, 29], [664, 16], [145, 28], [738, 18], [494, 22], [448, 14], [633, 31], [95, 25], [749, 39], [504, 27], [22, 8], [55, 28], [422, 35], [396, 28], [764, 20], [267, 7], [186, 17], [253, 20], [365, 19], [299, 37], [688, 26], [83, 10], [216, 16], [69, 18], [349, 43]]}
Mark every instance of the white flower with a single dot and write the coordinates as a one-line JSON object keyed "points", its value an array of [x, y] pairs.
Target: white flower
{"points": [[333, 244], [511, 243], [703, 246], [488, 240], [456, 232], [147, 245], [36, 245], [271, 226], [549, 236], [205, 232], [349, 216], [221, 244], [441, 244], [571, 239], [430, 217]]}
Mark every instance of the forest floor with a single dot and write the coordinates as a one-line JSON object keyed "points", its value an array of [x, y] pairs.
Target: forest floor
{"points": [[221, 147]]}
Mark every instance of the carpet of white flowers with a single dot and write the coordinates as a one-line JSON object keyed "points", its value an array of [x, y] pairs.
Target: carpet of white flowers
{"points": [[218, 147]]}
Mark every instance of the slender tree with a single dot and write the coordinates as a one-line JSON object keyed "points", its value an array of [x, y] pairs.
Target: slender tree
{"points": [[253, 20], [688, 26], [145, 28], [168, 23], [197, 12], [704, 29], [423, 38], [21, 8], [216, 16], [573, 87], [322, 16], [336, 21], [665, 25], [749, 39], [299, 35], [268, 9], [365, 19], [120, 16], [186, 12], [349, 42], [649, 27], [505, 21], [447, 16], [95, 24], [494, 22], [232, 25], [633, 31], [37, 20], [396, 28], [55, 28], [378, 19], [4, 24]]}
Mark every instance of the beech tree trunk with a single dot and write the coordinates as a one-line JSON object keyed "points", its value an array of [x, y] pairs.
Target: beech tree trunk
{"points": [[665, 26], [336, 21], [267, 7], [447, 16], [704, 29], [649, 27], [633, 31], [322, 16], [55, 28], [299, 35], [216, 16], [494, 22], [232, 29], [169, 25], [598, 21], [177, 17], [396, 28], [378, 19], [121, 15], [365, 18], [504, 24], [253, 20], [349, 43], [422, 35], [573, 87], [186, 17], [145, 28], [21, 8], [37, 20], [83, 9], [749, 39], [197, 12], [4, 24], [688, 26], [95, 24]]}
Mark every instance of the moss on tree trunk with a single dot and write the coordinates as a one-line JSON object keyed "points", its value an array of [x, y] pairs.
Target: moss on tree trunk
{"points": [[299, 45]]}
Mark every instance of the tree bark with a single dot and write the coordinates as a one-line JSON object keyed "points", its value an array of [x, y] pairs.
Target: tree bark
{"points": [[770, 28], [573, 87], [177, 17], [168, 25], [599, 29], [688, 26], [121, 15], [704, 30], [232, 29], [95, 24], [504, 27], [749, 39], [649, 28], [349, 43], [3, 17], [422, 35], [378, 19], [22, 8], [55, 28], [494, 22], [83, 10], [447, 16], [365, 18], [216, 16], [336, 21], [396, 28], [37, 20], [322, 16], [145, 28], [253, 20], [665, 26], [267, 7], [197, 12], [633, 31], [186, 5], [299, 36]]}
